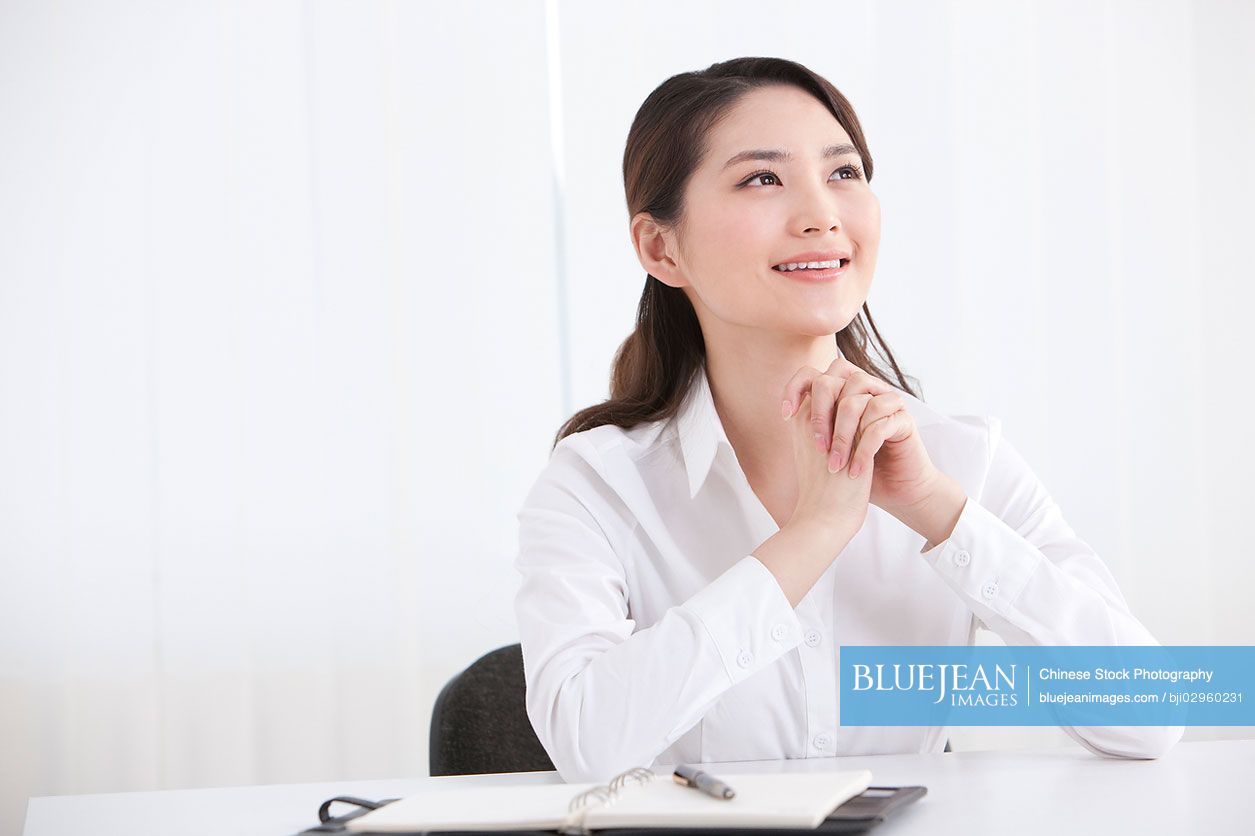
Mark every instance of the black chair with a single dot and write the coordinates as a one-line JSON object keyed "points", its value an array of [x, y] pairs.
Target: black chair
{"points": [[479, 723]]}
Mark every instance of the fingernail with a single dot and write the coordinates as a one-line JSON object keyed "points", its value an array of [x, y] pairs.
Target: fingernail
{"points": [[834, 463], [855, 470], [786, 408]]}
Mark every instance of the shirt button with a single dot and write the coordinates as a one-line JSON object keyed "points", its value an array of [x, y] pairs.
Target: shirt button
{"points": [[813, 638], [989, 590], [745, 659], [822, 741], [779, 632], [962, 558]]}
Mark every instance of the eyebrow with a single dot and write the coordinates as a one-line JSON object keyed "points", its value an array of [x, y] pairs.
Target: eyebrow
{"points": [[778, 155]]}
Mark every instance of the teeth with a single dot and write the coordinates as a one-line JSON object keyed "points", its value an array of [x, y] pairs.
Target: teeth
{"points": [[807, 265]]}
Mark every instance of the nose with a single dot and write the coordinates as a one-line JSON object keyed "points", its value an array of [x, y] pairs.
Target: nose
{"points": [[818, 209]]}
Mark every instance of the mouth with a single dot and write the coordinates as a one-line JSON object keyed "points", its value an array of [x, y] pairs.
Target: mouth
{"points": [[819, 274]]}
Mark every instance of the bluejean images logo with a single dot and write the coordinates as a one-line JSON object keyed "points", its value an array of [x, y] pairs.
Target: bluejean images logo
{"points": [[1036, 686], [964, 685]]}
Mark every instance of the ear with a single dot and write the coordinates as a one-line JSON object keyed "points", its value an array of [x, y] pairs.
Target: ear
{"points": [[654, 244]]}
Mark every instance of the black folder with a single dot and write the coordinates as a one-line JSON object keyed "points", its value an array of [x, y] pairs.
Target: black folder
{"points": [[860, 813]]}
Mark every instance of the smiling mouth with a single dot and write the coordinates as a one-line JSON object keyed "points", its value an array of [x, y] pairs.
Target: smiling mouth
{"points": [[845, 262]]}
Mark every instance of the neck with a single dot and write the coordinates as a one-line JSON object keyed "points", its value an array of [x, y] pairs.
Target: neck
{"points": [[748, 373]]}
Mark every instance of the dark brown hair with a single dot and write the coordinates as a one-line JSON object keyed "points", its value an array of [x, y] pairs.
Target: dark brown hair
{"points": [[656, 364]]}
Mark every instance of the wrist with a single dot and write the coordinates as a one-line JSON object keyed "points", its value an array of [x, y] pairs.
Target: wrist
{"points": [[822, 529], [800, 552], [935, 516]]}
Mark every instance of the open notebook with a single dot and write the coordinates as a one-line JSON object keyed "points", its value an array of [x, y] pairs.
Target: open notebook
{"points": [[637, 798]]}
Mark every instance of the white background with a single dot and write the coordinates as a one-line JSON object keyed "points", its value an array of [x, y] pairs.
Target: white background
{"points": [[294, 296]]}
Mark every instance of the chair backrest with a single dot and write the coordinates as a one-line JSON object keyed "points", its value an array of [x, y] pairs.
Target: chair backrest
{"points": [[479, 723]]}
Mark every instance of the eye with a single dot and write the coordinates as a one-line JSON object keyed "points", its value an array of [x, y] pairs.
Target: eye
{"points": [[854, 170]]}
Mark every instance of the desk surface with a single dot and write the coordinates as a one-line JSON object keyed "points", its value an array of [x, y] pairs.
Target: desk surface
{"points": [[1198, 787]]}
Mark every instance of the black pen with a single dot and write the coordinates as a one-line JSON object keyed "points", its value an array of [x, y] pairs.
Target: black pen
{"points": [[692, 777]]}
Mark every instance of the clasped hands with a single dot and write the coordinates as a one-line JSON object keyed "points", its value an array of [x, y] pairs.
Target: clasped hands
{"points": [[860, 423]]}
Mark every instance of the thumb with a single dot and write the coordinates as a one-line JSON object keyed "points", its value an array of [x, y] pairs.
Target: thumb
{"points": [[800, 421]]}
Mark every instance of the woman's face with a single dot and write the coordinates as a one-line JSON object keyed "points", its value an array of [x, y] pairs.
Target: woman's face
{"points": [[741, 221]]}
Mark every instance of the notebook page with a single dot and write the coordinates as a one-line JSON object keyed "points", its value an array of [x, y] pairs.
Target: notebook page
{"points": [[798, 799], [529, 807]]}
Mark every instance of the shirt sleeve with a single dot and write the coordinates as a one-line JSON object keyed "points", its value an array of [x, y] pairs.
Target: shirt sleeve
{"points": [[1026, 576], [602, 695]]}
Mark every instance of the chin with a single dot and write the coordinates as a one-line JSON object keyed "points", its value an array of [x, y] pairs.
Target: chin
{"points": [[822, 325]]}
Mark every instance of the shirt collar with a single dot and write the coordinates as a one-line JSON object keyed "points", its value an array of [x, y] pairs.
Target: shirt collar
{"points": [[700, 430]]}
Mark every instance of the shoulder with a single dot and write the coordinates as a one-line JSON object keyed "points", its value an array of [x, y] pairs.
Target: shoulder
{"points": [[603, 446], [596, 468], [974, 451]]}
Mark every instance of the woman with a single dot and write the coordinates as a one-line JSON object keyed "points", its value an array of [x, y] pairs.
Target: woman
{"points": [[756, 493]]}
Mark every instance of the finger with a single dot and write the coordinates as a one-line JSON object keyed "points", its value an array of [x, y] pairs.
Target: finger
{"points": [[801, 429], [825, 391], [842, 367], [803, 432], [849, 412], [800, 383], [797, 386], [866, 382], [878, 407], [873, 438]]}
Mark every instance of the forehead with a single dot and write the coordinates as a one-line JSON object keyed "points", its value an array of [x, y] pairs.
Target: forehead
{"points": [[777, 116]]}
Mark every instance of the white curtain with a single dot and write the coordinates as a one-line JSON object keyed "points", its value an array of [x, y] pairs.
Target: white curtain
{"points": [[293, 297]]}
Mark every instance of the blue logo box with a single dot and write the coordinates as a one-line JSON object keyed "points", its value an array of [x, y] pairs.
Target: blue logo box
{"points": [[1047, 686]]}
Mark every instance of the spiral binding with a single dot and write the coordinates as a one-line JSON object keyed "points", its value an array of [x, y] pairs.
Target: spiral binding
{"points": [[607, 794]]}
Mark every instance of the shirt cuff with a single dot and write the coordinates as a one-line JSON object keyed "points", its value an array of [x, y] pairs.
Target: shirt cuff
{"points": [[748, 617], [984, 560]]}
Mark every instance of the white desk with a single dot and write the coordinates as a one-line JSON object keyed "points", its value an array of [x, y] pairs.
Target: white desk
{"points": [[1201, 787]]}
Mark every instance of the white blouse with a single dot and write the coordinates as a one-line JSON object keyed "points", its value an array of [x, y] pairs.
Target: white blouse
{"points": [[651, 634]]}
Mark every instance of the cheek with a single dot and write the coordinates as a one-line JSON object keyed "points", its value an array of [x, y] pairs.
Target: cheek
{"points": [[866, 215], [735, 233], [733, 245]]}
